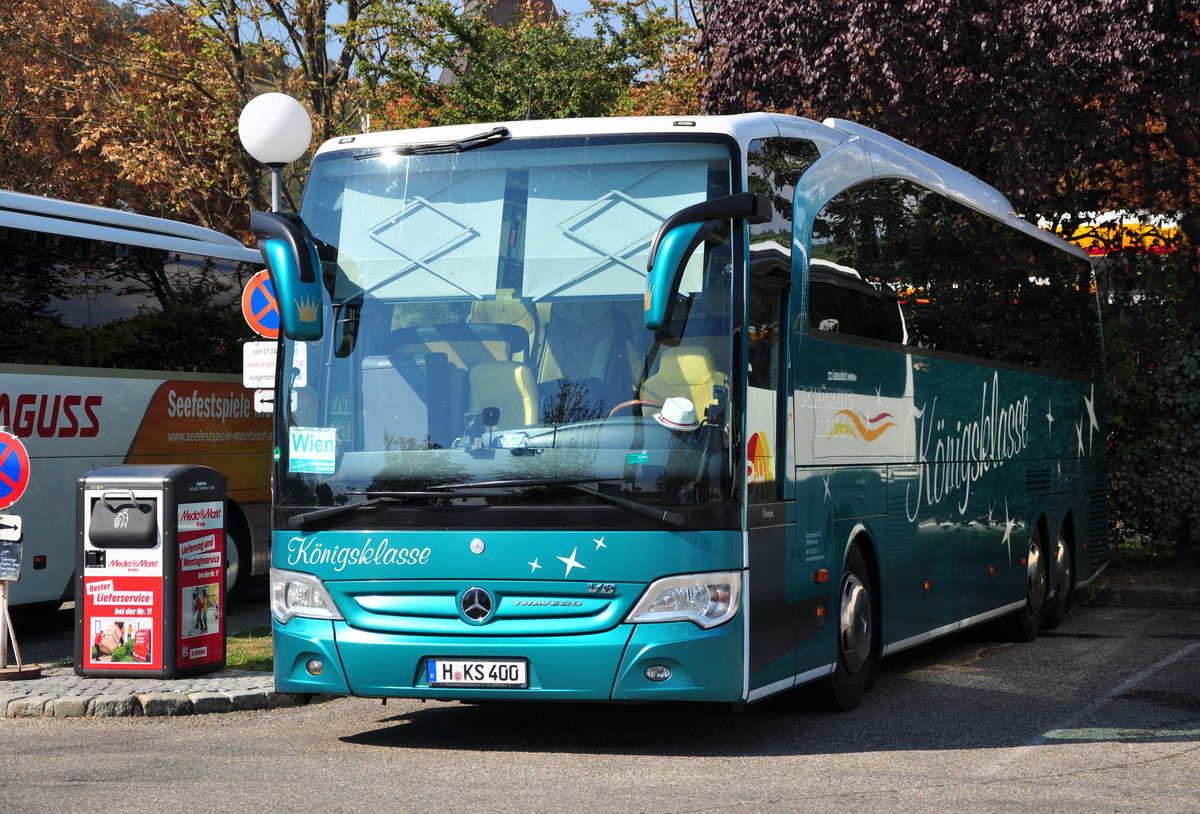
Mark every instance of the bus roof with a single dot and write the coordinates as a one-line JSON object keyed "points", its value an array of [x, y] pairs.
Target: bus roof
{"points": [[742, 127], [889, 157]]}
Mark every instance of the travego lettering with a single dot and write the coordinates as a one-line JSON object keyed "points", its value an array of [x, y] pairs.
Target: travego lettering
{"points": [[50, 416]]}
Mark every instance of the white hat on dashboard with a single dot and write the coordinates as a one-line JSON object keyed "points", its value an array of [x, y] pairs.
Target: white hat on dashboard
{"points": [[678, 414]]}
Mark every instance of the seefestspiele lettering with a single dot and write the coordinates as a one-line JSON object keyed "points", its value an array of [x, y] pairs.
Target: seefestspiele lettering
{"points": [[311, 551], [209, 405], [954, 458]]}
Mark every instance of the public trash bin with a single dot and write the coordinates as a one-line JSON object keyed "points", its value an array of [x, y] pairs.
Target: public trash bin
{"points": [[149, 571]]}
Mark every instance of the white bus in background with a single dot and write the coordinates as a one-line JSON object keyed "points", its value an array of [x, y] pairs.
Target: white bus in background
{"points": [[122, 344]]}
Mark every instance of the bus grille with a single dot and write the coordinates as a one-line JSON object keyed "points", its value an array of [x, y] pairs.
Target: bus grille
{"points": [[516, 610]]}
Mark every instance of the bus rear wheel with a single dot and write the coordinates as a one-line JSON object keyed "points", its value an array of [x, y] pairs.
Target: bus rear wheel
{"points": [[1023, 625], [1060, 603], [857, 647], [237, 560]]}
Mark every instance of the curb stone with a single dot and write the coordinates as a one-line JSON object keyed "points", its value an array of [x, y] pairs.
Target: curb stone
{"points": [[29, 707], [71, 706], [74, 703], [204, 702], [248, 700], [1145, 598], [165, 703], [113, 706]]}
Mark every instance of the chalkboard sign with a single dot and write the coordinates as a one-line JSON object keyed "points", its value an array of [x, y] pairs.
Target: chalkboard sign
{"points": [[10, 559]]}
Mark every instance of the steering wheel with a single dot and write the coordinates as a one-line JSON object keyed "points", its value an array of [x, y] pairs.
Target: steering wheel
{"points": [[634, 403]]}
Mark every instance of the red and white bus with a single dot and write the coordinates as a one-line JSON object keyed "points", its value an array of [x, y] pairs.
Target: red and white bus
{"points": [[122, 343]]}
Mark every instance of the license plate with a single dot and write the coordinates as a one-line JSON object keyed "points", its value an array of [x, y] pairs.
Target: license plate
{"points": [[477, 673]]}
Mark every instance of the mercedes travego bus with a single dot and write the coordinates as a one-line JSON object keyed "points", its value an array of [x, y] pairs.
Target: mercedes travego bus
{"points": [[668, 409]]}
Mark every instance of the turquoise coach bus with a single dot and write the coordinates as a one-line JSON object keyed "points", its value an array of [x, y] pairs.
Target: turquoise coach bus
{"points": [[668, 409]]}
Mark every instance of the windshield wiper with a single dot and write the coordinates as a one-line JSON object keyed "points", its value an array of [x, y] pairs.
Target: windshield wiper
{"points": [[662, 515], [487, 139], [376, 499]]}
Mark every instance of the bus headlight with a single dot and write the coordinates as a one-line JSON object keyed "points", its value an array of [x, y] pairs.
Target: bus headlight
{"points": [[706, 600], [296, 594]]}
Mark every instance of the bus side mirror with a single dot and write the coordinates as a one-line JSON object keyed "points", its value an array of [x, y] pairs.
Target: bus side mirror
{"points": [[295, 273], [679, 237]]}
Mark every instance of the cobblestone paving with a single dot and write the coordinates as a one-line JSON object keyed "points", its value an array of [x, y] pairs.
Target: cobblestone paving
{"points": [[60, 693]]}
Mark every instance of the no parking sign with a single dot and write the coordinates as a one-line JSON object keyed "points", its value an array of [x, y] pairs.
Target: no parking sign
{"points": [[14, 469], [259, 306]]}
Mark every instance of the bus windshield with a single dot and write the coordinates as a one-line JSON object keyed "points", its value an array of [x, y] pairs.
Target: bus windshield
{"points": [[485, 343]]}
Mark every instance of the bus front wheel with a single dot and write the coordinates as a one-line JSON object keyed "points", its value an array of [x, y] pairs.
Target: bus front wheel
{"points": [[857, 650]]}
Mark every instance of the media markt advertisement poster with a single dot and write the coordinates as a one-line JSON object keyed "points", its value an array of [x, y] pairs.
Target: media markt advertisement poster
{"points": [[201, 532], [123, 607]]}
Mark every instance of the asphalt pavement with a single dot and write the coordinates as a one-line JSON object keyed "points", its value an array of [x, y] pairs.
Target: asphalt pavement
{"points": [[59, 692]]}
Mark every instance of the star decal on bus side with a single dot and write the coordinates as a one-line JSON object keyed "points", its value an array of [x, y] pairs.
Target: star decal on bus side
{"points": [[828, 494], [571, 562], [1050, 417], [1009, 525], [599, 543], [1093, 425], [534, 564]]}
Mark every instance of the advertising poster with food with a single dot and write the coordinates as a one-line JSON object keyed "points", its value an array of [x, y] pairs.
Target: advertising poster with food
{"points": [[201, 567]]}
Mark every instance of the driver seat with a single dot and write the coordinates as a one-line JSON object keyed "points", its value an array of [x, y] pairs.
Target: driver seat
{"points": [[684, 371], [508, 386]]}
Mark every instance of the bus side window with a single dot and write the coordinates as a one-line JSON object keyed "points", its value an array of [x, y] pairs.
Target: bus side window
{"points": [[822, 310]]}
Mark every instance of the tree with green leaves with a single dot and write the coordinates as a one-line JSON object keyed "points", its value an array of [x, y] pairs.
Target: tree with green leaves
{"points": [[631, 58]]}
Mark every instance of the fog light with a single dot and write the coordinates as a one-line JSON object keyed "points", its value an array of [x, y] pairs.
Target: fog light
{"points": [[658, 672], [314, 667]]}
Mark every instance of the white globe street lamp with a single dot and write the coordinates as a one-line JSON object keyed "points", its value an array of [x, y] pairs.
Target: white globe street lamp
{"points": [[276, 130]]}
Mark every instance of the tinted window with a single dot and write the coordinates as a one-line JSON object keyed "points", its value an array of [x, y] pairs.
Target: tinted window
{"points": [[964, 283], [774, 167], [69, 301]]}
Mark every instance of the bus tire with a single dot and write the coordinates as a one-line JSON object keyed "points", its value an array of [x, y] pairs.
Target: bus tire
{"points": [[1060, 604], [857, 638], [1023, 625], [237, 557]]}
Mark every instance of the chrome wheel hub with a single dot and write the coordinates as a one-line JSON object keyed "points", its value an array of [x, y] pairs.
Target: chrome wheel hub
{"points": [[1036, 590], [854, 625]]}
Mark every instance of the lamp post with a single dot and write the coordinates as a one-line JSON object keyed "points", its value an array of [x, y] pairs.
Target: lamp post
{"points": [[276, 130]]}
